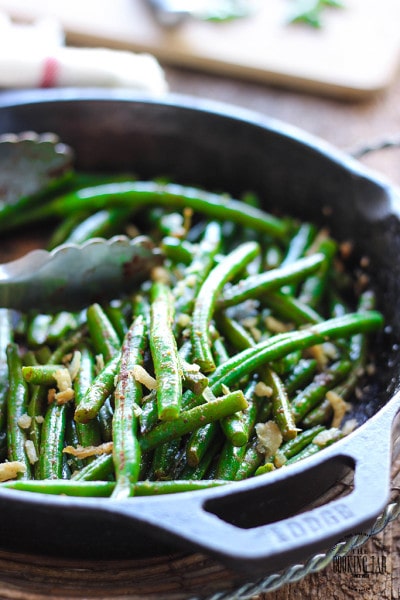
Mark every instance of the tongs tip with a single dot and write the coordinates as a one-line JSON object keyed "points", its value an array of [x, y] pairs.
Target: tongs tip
{"points": [[71, 276]]}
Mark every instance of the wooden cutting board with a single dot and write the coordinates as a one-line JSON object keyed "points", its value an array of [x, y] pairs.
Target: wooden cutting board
{"points": [[356, 53]]}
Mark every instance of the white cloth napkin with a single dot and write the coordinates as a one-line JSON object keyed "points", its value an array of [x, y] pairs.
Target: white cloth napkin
{"points": [[35, 55]]}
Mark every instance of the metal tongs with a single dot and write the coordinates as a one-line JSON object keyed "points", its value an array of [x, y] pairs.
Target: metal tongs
{"points": [[73, 276], [70, 276]]}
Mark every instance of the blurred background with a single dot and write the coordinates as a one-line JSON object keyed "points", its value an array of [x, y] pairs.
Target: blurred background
{"points": [[330, 67]]}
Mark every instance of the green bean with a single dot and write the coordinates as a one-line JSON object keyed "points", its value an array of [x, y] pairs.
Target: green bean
{"points": [[313, 448], [308, 398], [251, 460], [127, 399], [204, 437], [193, 380], [192, 419], [165, 457], [66, 487], [105, 418], [104, 338], [337, 307], [320, 415], [72, 462], [200, 441], [299, 243], [105, 488], [28, 209], [219, 351], [42, 374], [3, 446], [143, 193], [17, 406], [71, 341], [294, 446], [51, 457], [264, 410], [149, 413], [103, 223], [37, 329], [42, 356], [204, 304], [230, 459], [235, 430], [290, 309], [296, 248], [60, 325], [314, 287], [154, 488], [39, 434], [255, 286], [281, 408], [267, 467], [199, 470], [358, 351], [103, 385], [65, 227], [89, 434], [285, 364], [177, 250], [6, 338], [234, 332], [167, 366], [301, 375], [238, 427], [101, 468], [36, 408], [202, 261], [117, 318], [251, 359]]}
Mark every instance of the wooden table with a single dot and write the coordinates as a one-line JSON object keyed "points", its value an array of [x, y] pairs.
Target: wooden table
{"points": [[348, 126]]}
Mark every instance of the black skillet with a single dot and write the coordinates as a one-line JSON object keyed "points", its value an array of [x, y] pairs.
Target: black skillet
{"points": [[263, 524]]}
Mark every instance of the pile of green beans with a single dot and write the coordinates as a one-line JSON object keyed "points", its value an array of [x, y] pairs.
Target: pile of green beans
{"points": [[222, 366]]}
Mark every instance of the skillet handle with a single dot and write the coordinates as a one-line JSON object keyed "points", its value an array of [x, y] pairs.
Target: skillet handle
{"points": [[236, 524]]}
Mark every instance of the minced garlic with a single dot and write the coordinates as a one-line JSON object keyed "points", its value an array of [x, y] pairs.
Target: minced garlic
{"points": [[10, 470], [85, 452], [31, 452], [269, 438], [24, 421], [262, 390], [142, 376], [339, 406]]}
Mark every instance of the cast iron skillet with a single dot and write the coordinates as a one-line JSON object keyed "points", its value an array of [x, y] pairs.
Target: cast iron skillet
{"points": [[260, 525]]}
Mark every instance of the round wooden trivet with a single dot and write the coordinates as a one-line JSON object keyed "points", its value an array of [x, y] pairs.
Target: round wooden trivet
{"points": [[176, 577]]}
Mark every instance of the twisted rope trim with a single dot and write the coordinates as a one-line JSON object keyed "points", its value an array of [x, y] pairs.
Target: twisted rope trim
{"points": [[375, 147], [316, 563]]}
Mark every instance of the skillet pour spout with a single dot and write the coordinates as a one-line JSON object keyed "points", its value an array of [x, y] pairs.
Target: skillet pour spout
{"points": [[268, 522]]}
